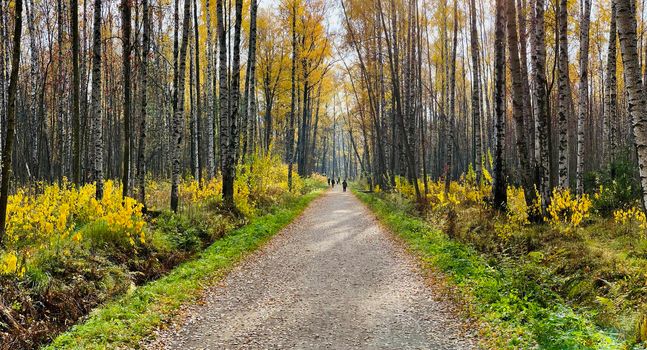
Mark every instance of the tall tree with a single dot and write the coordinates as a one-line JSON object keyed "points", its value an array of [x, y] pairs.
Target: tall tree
{"points": [[178, 113], [499, 185], [7, 150], [449, 124], [290, 135], [76, 85], [229, 155], [210, 90], [125, 37], [626, 22], [610, 98], [97, 124], [476, 91], [143, 86], [518, 101], [249, 118], [224, 86], [538, 59], [584, 92], [563, 91], [198, 96]]}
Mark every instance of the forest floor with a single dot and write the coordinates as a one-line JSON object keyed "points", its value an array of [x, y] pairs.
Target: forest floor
{"points": [[334, 278]]}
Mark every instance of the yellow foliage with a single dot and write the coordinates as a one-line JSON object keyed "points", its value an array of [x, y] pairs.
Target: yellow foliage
{"points": [[631, 216], [567, 211], [9, 264], [41, 220]]}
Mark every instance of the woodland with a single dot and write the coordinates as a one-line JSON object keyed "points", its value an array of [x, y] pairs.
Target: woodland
{"points": [[136, 134]]}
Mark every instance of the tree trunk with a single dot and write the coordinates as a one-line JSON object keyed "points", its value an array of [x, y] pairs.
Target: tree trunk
{"points": [[230, 159], [210, 99], [499, 185], [141, 156], [7, 150], [224, 86], [610, 110], [178, 113], [290, 136], [626, 22], [476, 91], [126, 17], [563, 90], [97, 125], [541, 103], [76, 84], [584, 93], [518, 102]]}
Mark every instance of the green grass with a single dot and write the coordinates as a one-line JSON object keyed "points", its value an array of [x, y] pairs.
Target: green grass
{"points": [[514, 312], [123, 323]]}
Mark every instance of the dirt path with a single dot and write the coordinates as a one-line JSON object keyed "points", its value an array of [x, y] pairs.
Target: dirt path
{"points": [[333, 279]]}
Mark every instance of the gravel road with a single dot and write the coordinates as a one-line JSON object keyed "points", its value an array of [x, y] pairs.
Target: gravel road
{"points": [[333, 279]]}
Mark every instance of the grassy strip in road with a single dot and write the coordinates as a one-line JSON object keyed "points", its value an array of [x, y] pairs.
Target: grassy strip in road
{"points": [[515, 313], [126, 321]]}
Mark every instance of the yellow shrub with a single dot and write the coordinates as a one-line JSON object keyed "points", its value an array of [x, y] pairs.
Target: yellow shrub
{"points": [[567, 211], [516, 214], [43, 219], [633, 216]]}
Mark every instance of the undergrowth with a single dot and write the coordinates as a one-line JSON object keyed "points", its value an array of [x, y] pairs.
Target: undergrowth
{"points": [[67, 253]]}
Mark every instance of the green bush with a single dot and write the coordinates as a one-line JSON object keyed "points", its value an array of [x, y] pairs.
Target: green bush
{"points": [[620, 186]]}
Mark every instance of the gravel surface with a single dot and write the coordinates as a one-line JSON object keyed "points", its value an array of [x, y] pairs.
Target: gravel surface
{"points": [[333, 279]]}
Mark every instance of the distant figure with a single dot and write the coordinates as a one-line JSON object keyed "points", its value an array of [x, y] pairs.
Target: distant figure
{"points": [[332, 183], [338, 179], [344, 185], [328, 181]]}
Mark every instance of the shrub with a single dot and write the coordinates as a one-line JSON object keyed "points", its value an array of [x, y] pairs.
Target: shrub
{"points": [[567, 211], [617, 187]]}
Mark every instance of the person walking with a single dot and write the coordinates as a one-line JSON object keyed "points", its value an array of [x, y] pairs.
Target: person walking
{"points": [[344, 185]]}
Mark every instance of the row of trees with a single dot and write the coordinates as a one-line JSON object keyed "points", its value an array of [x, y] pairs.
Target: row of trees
{"points": [[156, 89], [439, 87]]}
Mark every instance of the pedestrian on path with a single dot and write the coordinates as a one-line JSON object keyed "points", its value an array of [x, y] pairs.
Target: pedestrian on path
{"points": [[344, 185]]}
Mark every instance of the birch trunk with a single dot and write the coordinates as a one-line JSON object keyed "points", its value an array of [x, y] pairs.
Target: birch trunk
{"points": [[293, 97], [223, 83], [76, 85], [476, 91], [97, 124], [563, 93], [610, 110], [499, 185], [626, 22], [11, 119], [584, 93], [518, 102], [210, 98], [230, 159], [541, 103], [178, 114], [141, 155]]}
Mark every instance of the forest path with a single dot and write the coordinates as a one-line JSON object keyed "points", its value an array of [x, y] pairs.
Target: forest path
{"points": [[332, 279]]}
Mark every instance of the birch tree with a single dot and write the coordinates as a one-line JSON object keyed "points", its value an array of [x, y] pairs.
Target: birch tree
{"points": [[626, 22], [583, 91], [7, 150], [563, 92], [178, 113], [97, 125]]}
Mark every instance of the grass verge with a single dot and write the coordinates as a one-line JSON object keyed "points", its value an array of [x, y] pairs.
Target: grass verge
{"points": [[125, 322], [515, 313]]}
